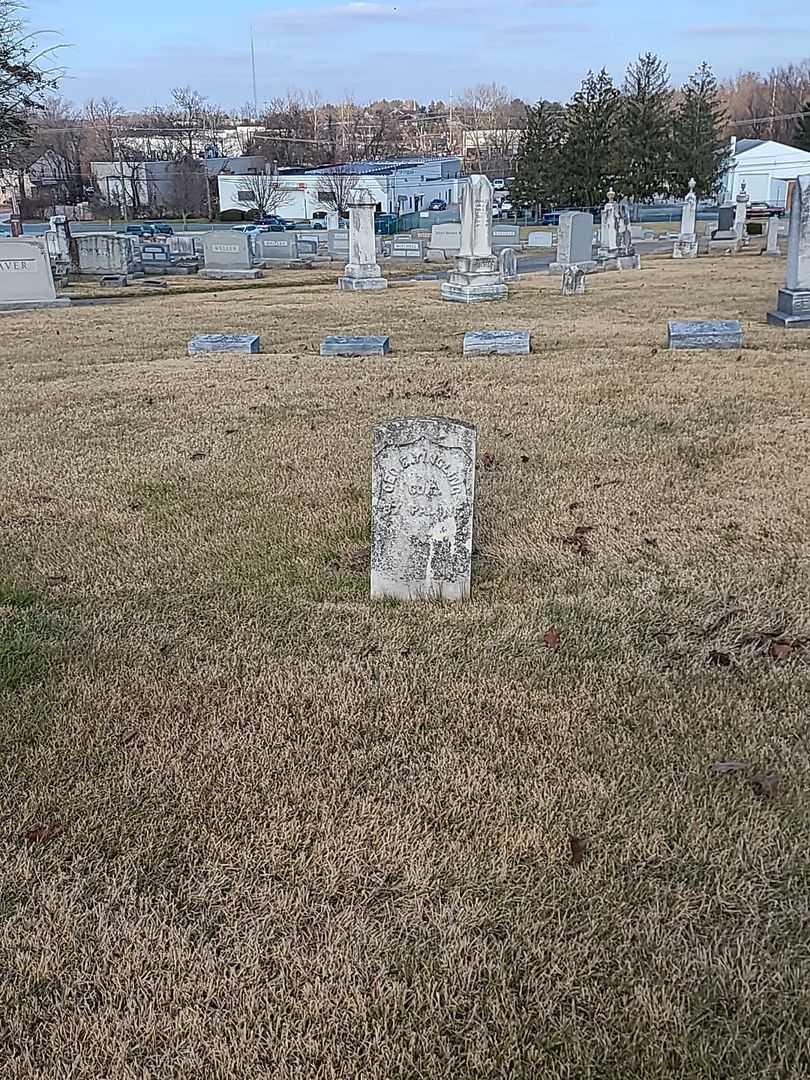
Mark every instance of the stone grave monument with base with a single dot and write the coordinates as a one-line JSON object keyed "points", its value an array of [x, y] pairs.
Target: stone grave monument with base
{"points": [[476, 276], [422, 491], [793, 302], [228, 256], [362, 270], [686, 246], [573, 281], [574, 242], [741, 215], [26, 279]]}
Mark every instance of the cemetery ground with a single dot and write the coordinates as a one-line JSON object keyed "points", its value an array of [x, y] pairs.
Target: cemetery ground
{"points": [[254, 825]]}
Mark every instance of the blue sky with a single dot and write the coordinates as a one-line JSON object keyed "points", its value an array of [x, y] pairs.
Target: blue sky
{"points": [[136, 52]]}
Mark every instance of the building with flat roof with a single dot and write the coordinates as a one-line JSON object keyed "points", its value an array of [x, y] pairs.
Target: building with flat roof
{"points": [[397, 186], [768, 168]]}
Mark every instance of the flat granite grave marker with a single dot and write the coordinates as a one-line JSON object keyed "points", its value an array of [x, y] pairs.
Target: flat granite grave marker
{"points": [[793, 304], [26, 278], [704, 334], [218, 343], [497, 342], [422, 492], [340, 345]]}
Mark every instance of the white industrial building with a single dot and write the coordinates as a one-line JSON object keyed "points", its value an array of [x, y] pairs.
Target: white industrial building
{"points": [[767, 168], [396, 186]]}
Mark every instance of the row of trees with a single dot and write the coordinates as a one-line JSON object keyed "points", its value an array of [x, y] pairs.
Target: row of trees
{"points": [[642, 139]]}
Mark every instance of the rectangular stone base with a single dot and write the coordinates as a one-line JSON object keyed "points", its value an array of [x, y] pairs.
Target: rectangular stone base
{"points": [[787, 322], [25, 305], [793, 302], [685, 247], [231, 275], [473, 294], [497, 342], [704, 334], [628, 262], [358, 284], [588, 266]]}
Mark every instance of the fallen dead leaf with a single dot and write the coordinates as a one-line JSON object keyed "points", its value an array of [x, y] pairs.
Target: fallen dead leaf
{"points": [[552, 638], [766, 785], [780, 650], [580, 541], [719, 659], [579, 848], [488, 460], [41, 834]]}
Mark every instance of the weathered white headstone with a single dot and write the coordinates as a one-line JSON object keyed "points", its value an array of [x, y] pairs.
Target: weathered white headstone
{"points": [[362, 270], [423, 481], [574, 242], [773, 236], [704, 334], [107, 253], [476, 276], [26, 279], [573, 281], [741, 213], [793, 305], [686, 246], [609, 232], [508, 266]]}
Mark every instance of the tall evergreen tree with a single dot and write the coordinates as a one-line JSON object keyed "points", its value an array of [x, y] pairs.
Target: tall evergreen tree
{"points": [[699, 146], [537, 172], [645, 139], [588, 154], [801, 134]]}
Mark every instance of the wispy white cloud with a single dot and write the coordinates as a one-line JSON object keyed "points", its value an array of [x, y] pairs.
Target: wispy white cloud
{"points": [[352, 14], [726, 30]]}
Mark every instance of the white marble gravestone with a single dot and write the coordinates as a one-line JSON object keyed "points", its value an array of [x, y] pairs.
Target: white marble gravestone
{"points": [[476, 276], [574, 242], [362, 270], [508, 265], [741, 213], [793, 304], [423, 483], [773, 236], [26, 279], [609, 228], [686, 246], [573, 281]]}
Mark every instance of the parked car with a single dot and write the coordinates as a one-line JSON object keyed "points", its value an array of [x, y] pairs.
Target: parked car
{"points": [[437, 204], [499, 184], [274, 223], [160, 228], [251, 230], [145, 231]]}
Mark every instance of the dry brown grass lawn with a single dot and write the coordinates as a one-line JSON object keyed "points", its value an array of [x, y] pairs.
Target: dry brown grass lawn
{"points": [[303, 836]]}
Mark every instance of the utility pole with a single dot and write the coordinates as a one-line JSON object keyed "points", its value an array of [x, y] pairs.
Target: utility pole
{"points": [[253, 69], [123, 184]]}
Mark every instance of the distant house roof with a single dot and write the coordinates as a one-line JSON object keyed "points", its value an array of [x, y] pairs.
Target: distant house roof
{"points": [[747, 144], [380, 168]]}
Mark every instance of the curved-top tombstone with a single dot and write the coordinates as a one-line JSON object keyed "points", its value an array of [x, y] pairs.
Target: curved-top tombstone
{"points": [[26, 279], [422, 491]]}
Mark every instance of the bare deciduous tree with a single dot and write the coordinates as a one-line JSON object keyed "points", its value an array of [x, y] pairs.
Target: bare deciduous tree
{"points": [[335, 188], [262, 192], [187, 184]]}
